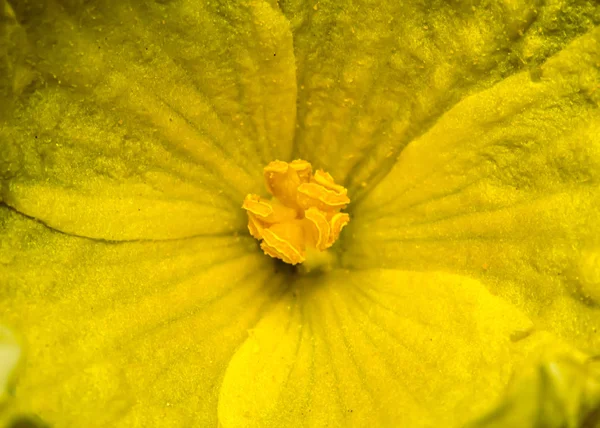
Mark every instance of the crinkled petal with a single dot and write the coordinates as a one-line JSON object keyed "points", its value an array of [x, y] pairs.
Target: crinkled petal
{"points": [[374, 75], [130, 333], [376, 348], [560, 390], [504, 187], [127, 120]]}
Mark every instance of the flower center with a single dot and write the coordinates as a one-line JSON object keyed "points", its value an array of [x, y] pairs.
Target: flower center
{"points": [[304, 216]]}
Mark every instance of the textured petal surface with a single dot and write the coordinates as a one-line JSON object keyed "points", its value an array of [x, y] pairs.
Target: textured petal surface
{"points": [[377, 347], [373, 76], [10, 354], [505, 187], [126, 334], [133, 120], [558, 392]]}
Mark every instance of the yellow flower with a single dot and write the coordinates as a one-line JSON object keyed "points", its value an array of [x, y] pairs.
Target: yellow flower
{"points": [[464, 291]]}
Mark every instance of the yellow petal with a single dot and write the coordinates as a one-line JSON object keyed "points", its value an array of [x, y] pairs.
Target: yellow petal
{"points": [[588, 273], [10, 354], [371, 79], [126, 121], [126, 334], [504, 187], [375, 348], [557, 389]]}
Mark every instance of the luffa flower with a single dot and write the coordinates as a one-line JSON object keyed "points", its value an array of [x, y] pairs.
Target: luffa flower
{"points": [[465, 289]]}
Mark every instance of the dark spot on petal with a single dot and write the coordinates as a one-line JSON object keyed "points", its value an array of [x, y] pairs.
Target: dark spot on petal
{"points": [[31, 421]]}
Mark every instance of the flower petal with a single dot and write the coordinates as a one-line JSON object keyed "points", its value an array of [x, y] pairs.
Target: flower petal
{"points": [[10, 354], [372, 76], [376, 348], [563, 391], [504, 187], [130, 333], [124, 120]]}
